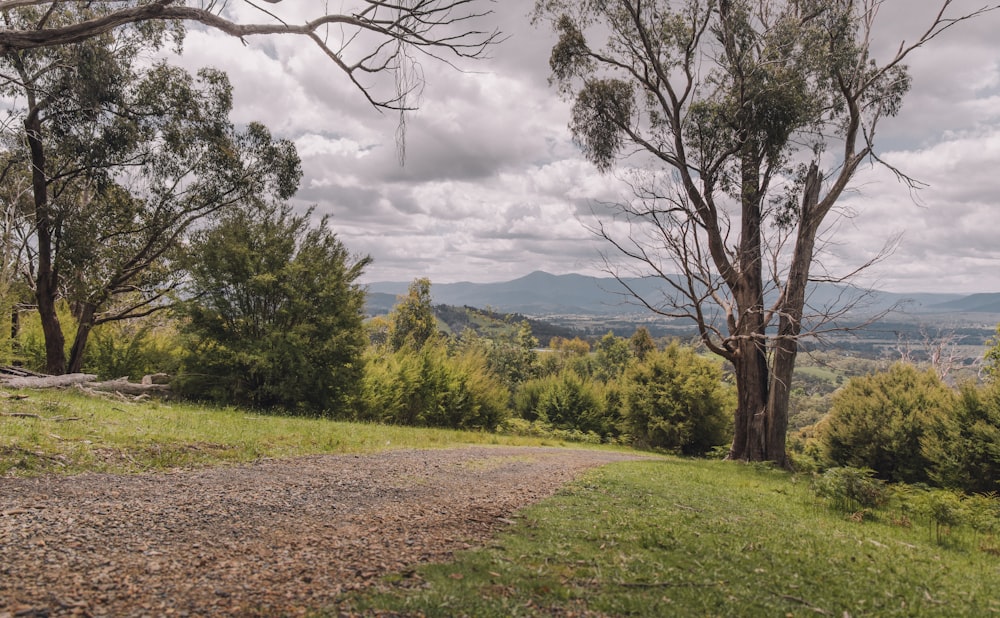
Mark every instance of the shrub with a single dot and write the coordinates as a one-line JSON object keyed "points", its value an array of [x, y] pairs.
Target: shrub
{"points": [[964, 449], [942, 508], [528, 395], [677, 400], [275, 317], [569, 402], [427, 387], [880, 421], [133, 348], [850, 489], [983, 513]]}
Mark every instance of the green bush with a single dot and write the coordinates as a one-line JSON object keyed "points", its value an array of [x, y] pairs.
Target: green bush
{"points": [[677, 400], [528, 395], [565, 401], [880, 422], [571, 402], [275, 318], [850, 489], [427, 387], [983, 513], [942, 508], [133, 348], [964, 449]]}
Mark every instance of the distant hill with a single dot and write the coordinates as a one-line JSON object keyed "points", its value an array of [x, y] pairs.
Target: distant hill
{"points": [[975, 303], [491, 324], [544, 294], [379, 303], [536, 294]]}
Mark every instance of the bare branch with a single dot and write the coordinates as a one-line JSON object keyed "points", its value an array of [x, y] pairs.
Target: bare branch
{"points": [[431, 26]]}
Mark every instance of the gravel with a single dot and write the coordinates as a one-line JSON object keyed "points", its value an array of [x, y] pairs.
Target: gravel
{"points": [[279, 537]]}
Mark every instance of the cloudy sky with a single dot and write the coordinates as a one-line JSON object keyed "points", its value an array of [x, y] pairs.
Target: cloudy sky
{"points": [[493, 187]]}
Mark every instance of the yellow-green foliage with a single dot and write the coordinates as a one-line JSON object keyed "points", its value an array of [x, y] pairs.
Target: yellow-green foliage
{"points": [[133, 348], [30, 343], [880, 422], [429, 387], [566, 402], [677, 400]]}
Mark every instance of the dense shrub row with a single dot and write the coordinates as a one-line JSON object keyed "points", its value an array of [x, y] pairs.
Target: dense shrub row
{"points": [[270, 356], [907, 426]]}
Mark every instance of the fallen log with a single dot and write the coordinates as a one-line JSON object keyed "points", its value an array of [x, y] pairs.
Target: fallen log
{"points": [[123, 386], [47, 381], [19, 372]]}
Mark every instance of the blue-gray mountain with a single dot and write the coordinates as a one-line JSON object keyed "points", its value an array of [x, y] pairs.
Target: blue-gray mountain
{"points": [[544, 294]]}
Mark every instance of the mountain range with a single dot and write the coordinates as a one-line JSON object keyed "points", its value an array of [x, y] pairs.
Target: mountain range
{"points": [[544, 294]]}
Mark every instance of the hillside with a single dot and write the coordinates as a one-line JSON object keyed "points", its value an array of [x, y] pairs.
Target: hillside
{"points": [[542, 294], [975, 303], [592, 306]]}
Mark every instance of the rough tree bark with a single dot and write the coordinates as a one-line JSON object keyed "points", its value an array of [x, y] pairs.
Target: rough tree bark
{"points": [[46, 277]]}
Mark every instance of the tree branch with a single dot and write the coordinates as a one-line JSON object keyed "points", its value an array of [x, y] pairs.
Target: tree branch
{"points": [[427, 25]]}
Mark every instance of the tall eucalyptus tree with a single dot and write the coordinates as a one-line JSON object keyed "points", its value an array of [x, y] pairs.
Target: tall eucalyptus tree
{"points": [[757, 114]]}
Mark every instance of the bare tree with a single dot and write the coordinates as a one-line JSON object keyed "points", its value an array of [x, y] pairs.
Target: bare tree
{"points": [[756, 115]]}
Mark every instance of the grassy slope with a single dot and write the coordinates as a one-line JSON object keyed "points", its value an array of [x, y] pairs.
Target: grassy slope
{"points": [[674, 537], [698, 538], [76, 433]]}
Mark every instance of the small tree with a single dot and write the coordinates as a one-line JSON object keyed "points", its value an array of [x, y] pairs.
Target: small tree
{"points": [[123, 159], [412, 322], [276, 315], [512, 359], [613, 355], [642, 343]]}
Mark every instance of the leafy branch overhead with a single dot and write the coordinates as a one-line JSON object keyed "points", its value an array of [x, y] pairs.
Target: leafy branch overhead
{"points": [[375, 37]]}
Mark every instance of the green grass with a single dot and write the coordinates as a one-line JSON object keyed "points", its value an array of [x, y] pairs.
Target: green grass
{"points": [[75, 433], [699, 538], [820, 373]]}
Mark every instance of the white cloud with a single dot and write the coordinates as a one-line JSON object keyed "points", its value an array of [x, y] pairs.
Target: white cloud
{"points": [[493, 187]]}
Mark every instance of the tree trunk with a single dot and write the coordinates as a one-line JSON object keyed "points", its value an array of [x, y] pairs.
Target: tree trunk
{"points": [[791, 308], [46, 277], [750, 366], [750, 360], [84, 324]]}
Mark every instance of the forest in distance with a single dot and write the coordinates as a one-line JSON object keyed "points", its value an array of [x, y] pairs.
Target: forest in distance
{"points": [[910, 324]]}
